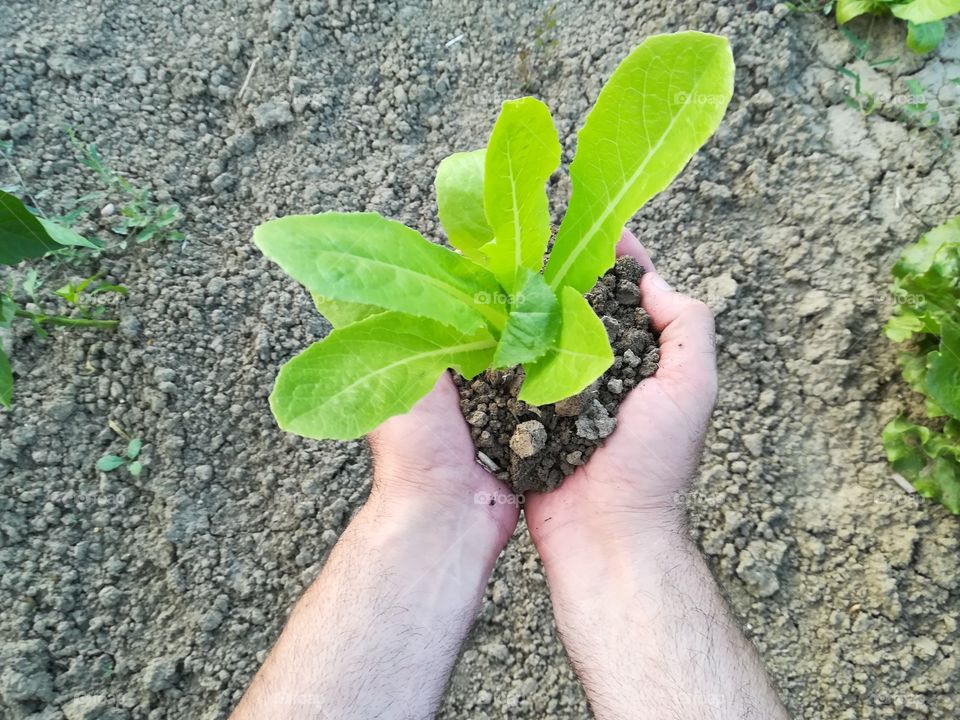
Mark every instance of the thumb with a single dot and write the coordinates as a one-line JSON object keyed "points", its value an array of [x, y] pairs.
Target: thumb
{"points": [[687, 337]]}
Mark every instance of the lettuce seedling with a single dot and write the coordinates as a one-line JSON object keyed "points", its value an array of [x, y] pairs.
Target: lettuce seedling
{"points": [[927, 288], [924, 18], [404, 309]]}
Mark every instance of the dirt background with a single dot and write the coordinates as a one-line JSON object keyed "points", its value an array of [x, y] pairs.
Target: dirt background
{"points": [[158, 598]]}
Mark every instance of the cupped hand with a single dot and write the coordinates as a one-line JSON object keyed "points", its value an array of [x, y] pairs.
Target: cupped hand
{"points": [[633, 484], [424, 462]]}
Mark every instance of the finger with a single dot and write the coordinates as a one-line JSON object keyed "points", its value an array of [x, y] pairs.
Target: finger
{"points": [[629, 245], [687, 337]]}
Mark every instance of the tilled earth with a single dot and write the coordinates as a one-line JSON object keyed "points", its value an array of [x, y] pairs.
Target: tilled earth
{"points": [[158, 597]]}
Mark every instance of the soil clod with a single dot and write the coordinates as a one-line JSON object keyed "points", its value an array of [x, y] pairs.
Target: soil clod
{"points": [[536, 447]]}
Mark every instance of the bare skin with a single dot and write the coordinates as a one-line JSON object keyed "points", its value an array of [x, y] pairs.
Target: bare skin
{"points": [[641, 617], [643, 622]]}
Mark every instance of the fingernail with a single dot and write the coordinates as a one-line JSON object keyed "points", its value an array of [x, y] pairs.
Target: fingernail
{"points": [[657, 283]]}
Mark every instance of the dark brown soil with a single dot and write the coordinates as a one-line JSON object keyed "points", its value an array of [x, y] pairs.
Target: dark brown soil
{"points": [[535, 448]]}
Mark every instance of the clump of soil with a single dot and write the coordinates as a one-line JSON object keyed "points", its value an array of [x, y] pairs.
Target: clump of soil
{"points": [[535, 447]]}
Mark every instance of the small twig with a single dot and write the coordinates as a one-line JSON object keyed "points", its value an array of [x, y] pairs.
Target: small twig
{"points": [[246, 82]]}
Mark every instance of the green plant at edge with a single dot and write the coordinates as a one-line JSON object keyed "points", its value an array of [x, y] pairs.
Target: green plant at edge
{"points": [[924, 18], [926, 286], [404, 309], [109, 463], [23, 236]]}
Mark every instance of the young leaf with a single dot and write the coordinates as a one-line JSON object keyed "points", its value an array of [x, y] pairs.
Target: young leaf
{"points": [[8, 310], [6, 381], [659, 106], [943, 370], [62, 235], [582, 354], [365, 258], [22, 236], [360, 375], [133, 448], [847, 10], [901, 327], [532, 325], [925, 11], [135, 468], [340, 313], [522, 154], [459, 186], [942, 484], [108, 463], [903, 442], [31, 284], [925, 37]]}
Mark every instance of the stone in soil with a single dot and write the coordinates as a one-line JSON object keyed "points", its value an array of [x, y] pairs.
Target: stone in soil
{"points": [[534, 448]]}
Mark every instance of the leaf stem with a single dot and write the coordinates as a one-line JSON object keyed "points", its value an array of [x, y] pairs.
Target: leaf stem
{"points": [[67, 321]]}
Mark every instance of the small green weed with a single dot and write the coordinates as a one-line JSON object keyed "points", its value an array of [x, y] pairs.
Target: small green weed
{"points": [[109, 463], [139, 218]]}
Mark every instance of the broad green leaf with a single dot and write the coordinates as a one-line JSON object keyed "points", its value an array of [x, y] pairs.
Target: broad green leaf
{"points": [[365, 258], [22, 236], [62, 235], [459, 186], [522, 154], [108, 463], [926, 11], [581, 356], [943, 370], [925, 37], [847, 10], [532, 325], [660, 105], [6, 381], [360, 375], [340, 313]]}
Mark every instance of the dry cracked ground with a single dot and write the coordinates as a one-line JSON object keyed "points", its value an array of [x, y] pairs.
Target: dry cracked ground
{"points": [[158, 597]]}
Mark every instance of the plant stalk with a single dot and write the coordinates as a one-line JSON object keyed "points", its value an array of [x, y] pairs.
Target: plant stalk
{"points": [[67, 321]]}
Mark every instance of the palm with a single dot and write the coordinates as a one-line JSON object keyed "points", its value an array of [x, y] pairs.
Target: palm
{"points": [[661, 424]]}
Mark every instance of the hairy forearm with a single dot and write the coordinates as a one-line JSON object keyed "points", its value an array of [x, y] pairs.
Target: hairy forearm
{"points": [[378, 632], [650, 635]]}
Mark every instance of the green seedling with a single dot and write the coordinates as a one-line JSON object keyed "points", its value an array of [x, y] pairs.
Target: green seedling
{"points": [[139, 218], [924, 18], [24, 236], [109, 463], [926, 286], [404, 309]]}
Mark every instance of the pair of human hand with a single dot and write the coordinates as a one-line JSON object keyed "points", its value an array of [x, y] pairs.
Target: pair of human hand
{"points": [[629, 486]]}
